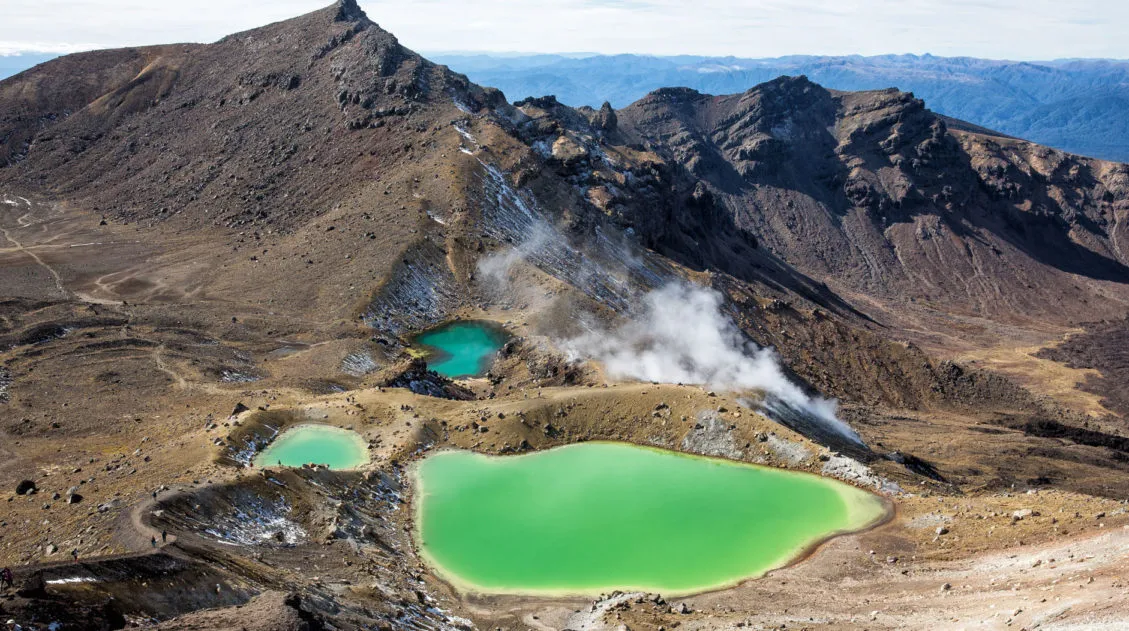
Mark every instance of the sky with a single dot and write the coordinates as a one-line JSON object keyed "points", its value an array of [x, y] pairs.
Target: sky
{"points": [[999, 29]]}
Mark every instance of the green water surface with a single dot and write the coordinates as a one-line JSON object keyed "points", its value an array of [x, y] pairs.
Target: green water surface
{"points": [[315, 444], [595, 517], [462, 349]]}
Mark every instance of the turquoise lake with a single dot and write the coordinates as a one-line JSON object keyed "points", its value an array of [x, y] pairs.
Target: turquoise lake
{"points": [[462, 349], [315, 444]]}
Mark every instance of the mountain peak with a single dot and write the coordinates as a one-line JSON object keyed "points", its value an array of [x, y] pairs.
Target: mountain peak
{"points": [[349, 11]]}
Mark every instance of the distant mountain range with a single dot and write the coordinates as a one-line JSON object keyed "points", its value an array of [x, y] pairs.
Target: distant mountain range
{"points": [[15, 64], [1081, 106]]}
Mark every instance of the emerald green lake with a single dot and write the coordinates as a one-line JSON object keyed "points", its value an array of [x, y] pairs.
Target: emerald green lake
{"points": [[462, 349], [595, 517], [315, 444]]}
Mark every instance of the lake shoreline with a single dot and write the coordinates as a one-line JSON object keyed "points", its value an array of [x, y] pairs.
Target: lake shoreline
{"points": [[854, 497]]}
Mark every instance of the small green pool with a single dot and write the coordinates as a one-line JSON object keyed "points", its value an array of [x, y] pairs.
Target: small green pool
{"points": [[315, 444], [595, 517], [462, 349]]}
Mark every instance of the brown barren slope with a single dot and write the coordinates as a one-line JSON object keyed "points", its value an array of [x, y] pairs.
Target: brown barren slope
{"points": [[259, 225]]}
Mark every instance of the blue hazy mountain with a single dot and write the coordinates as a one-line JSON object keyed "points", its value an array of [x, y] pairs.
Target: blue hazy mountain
{"points": [[1081, 106], [15, 64]]}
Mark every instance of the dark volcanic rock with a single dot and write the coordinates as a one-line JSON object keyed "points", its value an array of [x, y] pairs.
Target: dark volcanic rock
{"points": [[33, 586], [1103, 347], [417, 378], [870, 191]]}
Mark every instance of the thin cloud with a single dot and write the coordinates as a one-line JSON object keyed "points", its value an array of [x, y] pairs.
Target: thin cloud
{"points": [[1010, 29], [11, 49]]}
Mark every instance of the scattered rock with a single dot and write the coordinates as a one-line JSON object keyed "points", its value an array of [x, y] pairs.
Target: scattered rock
{"points": [[26, 487]]}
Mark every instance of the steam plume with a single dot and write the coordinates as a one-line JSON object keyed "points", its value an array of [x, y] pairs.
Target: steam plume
{"points": [[681, 336]]}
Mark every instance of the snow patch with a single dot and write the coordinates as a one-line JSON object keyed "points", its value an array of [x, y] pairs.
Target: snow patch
{"points": [[71, 580], [358, 364], [467, 136], [234, 376], [261, 523], [463, 107]]}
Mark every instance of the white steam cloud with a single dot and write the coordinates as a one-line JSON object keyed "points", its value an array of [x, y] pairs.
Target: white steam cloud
{"points": [[681, 336], [495, 270]]}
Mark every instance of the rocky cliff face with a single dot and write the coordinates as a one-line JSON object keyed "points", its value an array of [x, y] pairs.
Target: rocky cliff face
{"points": [[870, 192]]}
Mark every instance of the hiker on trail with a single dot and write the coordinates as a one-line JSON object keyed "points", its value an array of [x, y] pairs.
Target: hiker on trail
{"points": [[74, 555], [6, 578], [164, 536], [153, 541], [12, 626]]}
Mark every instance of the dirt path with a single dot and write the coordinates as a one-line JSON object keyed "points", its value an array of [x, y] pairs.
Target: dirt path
{"points": [[181, 382], [134, 530], [131, 531], [19, 247]]}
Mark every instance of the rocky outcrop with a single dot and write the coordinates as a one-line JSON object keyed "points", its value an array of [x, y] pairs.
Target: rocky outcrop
{"points": [[417, 378], [421, 292], [869, 191], [712, 436]]}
